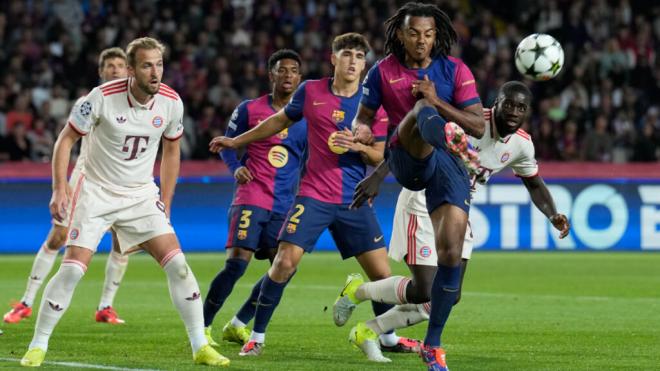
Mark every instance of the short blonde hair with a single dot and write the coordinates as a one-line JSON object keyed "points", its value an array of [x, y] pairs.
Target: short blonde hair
{"points": [[147, 43], [110, 53]]}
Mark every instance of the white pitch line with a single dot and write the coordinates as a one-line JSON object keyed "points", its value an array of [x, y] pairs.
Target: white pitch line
{"points": [[84, 365]]}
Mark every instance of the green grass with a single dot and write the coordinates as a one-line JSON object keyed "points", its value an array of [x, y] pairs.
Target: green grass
{"points": [[520, 311]]}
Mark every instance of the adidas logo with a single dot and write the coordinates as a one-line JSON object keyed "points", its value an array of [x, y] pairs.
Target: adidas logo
{"points": [[195, 296], [120, 119], [36, 278], [55, 307]]}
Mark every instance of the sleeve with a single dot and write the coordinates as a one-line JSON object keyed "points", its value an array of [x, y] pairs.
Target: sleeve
{"points": [[371, 89], [294, 109], [238, 124], [174, 129], [526, 166], [86, 112], [465, 87], [381, 123]]}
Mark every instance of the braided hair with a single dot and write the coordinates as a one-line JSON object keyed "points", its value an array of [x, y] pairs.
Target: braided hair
{"points": [[445, 37]]}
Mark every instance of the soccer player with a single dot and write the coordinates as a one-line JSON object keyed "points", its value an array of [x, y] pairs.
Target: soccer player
{"points": [[112, 65], [117, 190], [336, 164], [429, 155], [267, 183], [503, 145]]}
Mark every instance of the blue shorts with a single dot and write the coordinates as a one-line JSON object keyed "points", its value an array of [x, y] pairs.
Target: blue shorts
{"points": [[442, 175], [254, 228], [354, 231]]}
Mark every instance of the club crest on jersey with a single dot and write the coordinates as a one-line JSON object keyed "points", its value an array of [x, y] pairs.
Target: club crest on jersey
{"points": [[425, 251], [157, 122], [338, 115], [505, 157], [283, 134], [74, 233], [120, 119], [242, 234], [291, 228], [278, 156], [86, 108]]}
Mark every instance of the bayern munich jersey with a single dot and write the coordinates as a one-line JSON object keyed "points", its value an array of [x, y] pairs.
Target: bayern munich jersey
{"points": [[331, 175], [274, 162], [495, 153], [121, 152], [389, 84]]}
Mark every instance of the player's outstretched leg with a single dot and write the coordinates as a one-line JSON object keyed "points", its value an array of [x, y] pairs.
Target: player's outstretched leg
{"points": [[115, 268], [43, 263], [236, 330]]}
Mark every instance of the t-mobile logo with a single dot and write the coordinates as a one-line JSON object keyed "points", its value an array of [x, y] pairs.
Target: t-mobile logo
{"points": [[134, 148]]}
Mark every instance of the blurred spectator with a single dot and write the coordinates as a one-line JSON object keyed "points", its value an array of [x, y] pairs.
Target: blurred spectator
{"points": [[597, 144], [18, 144], [646, 145], [41, 140]]}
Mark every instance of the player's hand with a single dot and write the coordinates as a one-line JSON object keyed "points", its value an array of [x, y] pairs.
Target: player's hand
{"points": [[424, 89], [362, 134], [59, 202], [560, 222], [345, 139], [366, 190], [243, 175], [217, 144]]}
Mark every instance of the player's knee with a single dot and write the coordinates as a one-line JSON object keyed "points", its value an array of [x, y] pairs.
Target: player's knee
{"points": [[56, 239], [283, 267], [419, 292], [450, 257]]}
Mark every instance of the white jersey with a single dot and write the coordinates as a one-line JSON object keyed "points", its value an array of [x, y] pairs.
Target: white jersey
{"points": [[495, 153], [121, 153], [83, 142]]}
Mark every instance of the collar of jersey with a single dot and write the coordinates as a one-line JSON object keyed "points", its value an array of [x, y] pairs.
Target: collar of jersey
{"points": [[134, 102]]}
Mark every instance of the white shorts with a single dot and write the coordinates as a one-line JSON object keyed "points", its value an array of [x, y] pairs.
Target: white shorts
{"points": [[73, 180], [413, 238], [94, 209]]}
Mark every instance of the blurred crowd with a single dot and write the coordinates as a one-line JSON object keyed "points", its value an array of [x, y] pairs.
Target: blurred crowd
{"points": [[604, 105]]}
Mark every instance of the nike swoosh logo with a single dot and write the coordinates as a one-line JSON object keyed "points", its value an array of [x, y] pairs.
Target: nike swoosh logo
{"points": [[394, 81], [377, 239], [317, 103]]}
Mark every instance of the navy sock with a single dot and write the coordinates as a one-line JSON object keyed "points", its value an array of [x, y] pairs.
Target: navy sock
{"points": [[443, 296], [246, 313], [380, 308], [432, 127], [269, 298], [221, 287]]}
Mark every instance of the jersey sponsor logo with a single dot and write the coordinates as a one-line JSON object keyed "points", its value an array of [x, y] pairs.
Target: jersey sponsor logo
{"points": [[86, 108], [157, 122], [338, 115], [334, 148], [315, 103], [425, 251], [74, 233], [283, 134], [242, 234], [394, 81], [132, 146], [505, 157], [120, 119], [278, 156]]}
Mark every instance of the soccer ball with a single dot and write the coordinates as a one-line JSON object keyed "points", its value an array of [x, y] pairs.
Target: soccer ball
{"points": [[539, 57]]}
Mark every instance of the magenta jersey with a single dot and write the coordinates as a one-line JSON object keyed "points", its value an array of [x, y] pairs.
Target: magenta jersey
{"points": [[330, 176], [389, 84], [274, 162]]}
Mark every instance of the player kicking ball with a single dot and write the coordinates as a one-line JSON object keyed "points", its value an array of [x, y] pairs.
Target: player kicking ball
{"points": [[117, 190]]}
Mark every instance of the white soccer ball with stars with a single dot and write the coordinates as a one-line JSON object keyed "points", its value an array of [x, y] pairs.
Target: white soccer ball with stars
{"points": [[539, 57]]}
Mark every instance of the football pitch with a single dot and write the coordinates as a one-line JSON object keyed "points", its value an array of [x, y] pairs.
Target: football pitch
{"points": [[520, 311]]}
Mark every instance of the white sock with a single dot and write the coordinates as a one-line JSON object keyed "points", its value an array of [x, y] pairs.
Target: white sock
{"points": [[114, 273], [400, 316], [389, 340], [185, 295], [41, 267], [391, 290], [55, 301], [237, 322], [259, 337]]}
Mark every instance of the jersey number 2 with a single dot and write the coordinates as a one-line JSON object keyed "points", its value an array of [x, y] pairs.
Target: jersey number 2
{"points": [[295, 217]]}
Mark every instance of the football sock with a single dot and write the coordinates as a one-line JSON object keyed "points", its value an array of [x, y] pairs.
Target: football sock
{"points": [[237, 322], [259, 337], [389, 339], [380, 308], [114, 273], [401, 316], [269, 298], [221, 287], [246, 313], [431, 127], [185, 295], [56, 300], [444, 292], [391, 290], [42, 265]]}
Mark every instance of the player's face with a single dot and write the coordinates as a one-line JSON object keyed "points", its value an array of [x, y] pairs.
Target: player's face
{"points": [[349, 64], [511, 112], [417, 36], [285, 75], [113, 68], [148, 70]]}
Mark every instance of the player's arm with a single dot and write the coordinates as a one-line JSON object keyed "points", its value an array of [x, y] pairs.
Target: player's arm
{"points": [[169, 171], [269, 127], [362, 124], [369, 187], [369, 102], [61, 157], [238, 124], [543, 200], [371, 155]]}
